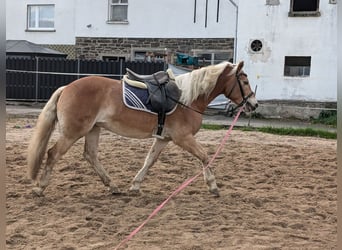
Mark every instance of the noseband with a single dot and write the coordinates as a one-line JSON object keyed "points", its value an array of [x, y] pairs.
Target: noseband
{"points": [[244, 97]]}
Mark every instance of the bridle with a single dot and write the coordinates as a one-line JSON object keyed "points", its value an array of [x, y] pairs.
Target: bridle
{"points": [[244, 97]]}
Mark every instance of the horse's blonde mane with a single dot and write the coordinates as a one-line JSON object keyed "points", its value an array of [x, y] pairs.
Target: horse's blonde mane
{"points": [[200, 81]]}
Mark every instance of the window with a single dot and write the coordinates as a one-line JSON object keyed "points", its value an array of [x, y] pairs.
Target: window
{"points": [[113, 58], [206, 58], [297, 66], [118, 10], [156, 55], [304, 8], [41, 17]]}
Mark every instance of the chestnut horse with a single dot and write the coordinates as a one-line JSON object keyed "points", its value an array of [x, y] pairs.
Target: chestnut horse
{"points": [[88, 104]]}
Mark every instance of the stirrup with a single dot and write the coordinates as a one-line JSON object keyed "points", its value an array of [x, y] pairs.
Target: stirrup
{"points": [[158, 136]]}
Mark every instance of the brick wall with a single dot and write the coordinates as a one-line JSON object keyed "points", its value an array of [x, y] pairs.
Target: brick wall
{"points": [[96, 48]]}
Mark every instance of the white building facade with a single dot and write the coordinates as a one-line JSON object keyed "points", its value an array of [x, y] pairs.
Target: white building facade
{"points": [[296, 59], [289, 47]]}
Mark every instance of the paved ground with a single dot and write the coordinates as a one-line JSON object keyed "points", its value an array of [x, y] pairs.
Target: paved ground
{"points": [[258, 123], [34, 110]]}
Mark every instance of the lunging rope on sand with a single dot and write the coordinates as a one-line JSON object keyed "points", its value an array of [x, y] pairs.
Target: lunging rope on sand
{"points": [[184, 185]]}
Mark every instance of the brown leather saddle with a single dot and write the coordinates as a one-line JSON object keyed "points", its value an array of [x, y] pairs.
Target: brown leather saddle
{"points": [[163, 94], [160, 76]]}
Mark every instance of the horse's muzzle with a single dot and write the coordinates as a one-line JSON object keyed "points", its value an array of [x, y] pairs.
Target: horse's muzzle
{"points": [[251, 105]]}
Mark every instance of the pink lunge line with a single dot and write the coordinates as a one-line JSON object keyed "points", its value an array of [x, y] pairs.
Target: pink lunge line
{"points": [[182, 186]]}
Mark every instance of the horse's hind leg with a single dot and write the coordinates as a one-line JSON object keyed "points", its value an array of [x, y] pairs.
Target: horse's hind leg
{"points": [[90, 154], [189, 144], [54, 154], [150, 159], [209, 178]]}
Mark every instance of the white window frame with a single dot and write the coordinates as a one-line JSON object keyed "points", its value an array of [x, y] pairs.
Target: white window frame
{"points": [[149, 54], [212, 53], [112, 5], [37, 17], [300, 70]]}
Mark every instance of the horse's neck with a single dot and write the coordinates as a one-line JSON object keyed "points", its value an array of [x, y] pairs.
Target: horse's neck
{"points": [[199, 104], [202, 102]]}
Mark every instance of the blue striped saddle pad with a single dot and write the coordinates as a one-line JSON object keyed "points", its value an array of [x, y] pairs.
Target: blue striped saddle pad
{"points": [[138, 99]]}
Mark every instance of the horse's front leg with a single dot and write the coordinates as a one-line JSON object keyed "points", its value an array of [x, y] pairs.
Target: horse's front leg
{"points": [[150, 159], [192, 146]]}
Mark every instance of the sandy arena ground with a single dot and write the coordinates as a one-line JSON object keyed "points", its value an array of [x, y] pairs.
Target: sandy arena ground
{"points": [[277, 192]]}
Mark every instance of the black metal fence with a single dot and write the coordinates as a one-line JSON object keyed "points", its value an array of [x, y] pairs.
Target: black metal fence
{"points": [[36, 79]]}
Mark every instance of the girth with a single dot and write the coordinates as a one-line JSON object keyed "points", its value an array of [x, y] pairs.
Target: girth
{"points": [[163, 93]]}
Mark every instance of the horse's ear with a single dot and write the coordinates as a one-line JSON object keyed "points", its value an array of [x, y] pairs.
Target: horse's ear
{"points": [[240, 66]]}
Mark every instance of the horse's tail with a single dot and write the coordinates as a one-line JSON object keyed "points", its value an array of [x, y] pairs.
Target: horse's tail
{"points": [[44, 128]]}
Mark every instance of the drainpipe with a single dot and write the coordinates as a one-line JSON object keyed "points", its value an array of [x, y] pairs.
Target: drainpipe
{"points": [[236, 28]]}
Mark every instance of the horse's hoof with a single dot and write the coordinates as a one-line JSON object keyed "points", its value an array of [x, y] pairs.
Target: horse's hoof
{"points": [[114, 190], [215, 192], [37, 191]]}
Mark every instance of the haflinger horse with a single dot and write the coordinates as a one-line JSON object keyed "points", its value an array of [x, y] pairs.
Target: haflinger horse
{"points": [[86, 105]]}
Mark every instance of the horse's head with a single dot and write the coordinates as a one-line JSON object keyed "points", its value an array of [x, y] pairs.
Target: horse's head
{"points": [[238, 89]]}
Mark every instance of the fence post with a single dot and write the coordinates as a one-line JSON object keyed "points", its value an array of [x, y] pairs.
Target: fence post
{"points": [[78, 68], [37, 77], [121, 70]]}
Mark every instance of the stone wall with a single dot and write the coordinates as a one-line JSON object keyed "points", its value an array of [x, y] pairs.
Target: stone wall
{"points": [[302, 110], [96, 48]]}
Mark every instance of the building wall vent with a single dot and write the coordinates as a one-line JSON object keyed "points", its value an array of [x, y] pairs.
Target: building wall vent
{"points": [[256, 45]]}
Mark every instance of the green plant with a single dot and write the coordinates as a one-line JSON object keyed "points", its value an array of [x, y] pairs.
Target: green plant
{"points": [[299, 132], [213, 126], [327, 117], [281, 131]]}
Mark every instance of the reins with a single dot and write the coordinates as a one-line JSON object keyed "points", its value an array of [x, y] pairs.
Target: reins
{"points": [[184, 185], [186, 106]]}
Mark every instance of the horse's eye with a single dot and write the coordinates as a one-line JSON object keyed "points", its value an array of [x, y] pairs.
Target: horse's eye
{"points": [[246, 82]]}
